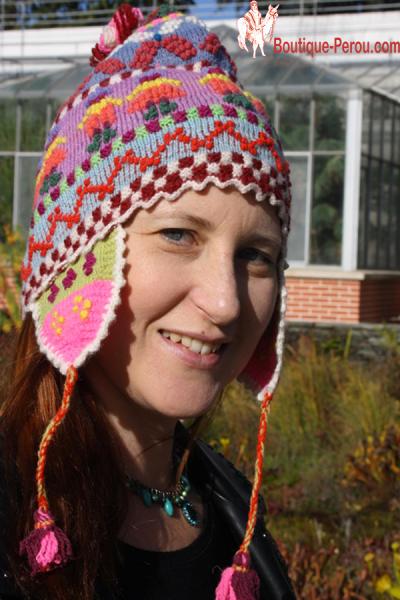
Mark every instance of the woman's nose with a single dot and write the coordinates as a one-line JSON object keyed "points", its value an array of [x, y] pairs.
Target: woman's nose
{"points": [[216, 292]]}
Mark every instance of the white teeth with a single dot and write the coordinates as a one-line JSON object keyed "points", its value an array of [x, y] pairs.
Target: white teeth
{"points": [[206, 349], [194, 345], [186, 341]]}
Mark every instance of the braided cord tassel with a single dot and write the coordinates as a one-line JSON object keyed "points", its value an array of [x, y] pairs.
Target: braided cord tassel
{"points": [[240, 581], [47, 547]]}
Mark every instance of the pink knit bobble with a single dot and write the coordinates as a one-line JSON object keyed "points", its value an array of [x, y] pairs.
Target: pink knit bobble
{"points": [[239, 582], [47, 547]]}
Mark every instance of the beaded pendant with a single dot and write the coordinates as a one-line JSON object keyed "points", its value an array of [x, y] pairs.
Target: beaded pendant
{"points": [[167, 499]]}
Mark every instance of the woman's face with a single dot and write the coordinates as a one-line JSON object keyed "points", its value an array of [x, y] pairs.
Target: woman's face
{"points": [[201, 268]]}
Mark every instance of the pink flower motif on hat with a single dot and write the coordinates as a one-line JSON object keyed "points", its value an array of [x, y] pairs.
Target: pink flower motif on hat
{"points": [[74, 317]]}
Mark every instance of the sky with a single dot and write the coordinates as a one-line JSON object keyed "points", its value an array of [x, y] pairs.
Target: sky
{"points": [[210, 7]]}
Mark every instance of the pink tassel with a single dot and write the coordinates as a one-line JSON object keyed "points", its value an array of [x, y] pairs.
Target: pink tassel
{"points": [[47, 547], [239, 582]]}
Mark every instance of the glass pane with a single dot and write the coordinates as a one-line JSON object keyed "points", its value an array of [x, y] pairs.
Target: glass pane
{"points": [[372, 208], [397, 136], [361, 261], [26, 165], [68, 82], [33, 124], [54, 106], [366, 120], [7, 124], [394, 221], [269, 104], [294, 122], [330, 123], [388, 114], [303, 74], [377, 108], [6, 193], [384, 225], [296, 241], [327, 211], [274, 67]]}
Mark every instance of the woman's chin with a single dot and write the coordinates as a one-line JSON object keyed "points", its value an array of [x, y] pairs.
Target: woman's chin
{"points": [[184, 406], [183, 412]]}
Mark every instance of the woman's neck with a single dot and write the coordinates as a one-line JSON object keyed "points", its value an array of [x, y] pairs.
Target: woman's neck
{"points": [[146, 438], [147, 449]]}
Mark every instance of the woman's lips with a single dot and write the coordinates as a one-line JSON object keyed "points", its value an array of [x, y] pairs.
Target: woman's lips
{"points": [[201, 361]]}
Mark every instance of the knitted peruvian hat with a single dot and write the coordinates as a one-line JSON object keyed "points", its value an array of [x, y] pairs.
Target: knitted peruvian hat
{"points": [[161, 112]]}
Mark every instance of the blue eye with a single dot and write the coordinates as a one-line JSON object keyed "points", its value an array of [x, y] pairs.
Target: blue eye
{"points": [[174, 235]]}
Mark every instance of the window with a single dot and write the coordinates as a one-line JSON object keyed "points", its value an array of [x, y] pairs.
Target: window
{"points": [[378, 244], [313, 137], [297, 237], [327, 210]]}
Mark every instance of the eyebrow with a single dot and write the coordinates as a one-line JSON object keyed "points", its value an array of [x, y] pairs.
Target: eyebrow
{"points": [[200, 221], [255, 237]]}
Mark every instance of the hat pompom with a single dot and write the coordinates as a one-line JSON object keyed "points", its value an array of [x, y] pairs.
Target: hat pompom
{"points": [[124, 21], [47, 547], [239, 582]]}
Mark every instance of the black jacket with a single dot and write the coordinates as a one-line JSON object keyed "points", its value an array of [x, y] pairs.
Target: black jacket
{"points": [[229, 491]]}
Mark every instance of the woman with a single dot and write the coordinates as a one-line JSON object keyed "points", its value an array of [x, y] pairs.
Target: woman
{"points": [[138, 311]]}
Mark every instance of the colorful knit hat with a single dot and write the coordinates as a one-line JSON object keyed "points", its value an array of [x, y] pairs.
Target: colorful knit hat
{"points": [[161, 112]]}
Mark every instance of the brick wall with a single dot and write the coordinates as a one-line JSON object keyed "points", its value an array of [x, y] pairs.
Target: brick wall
{"points": [[365, 298]]}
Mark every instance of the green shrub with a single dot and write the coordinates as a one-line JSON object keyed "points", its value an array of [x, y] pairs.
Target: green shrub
{"points": [[11, 255]]}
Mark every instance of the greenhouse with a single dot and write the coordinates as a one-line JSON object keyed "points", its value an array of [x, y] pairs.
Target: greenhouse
{"points": [[342, 141]]}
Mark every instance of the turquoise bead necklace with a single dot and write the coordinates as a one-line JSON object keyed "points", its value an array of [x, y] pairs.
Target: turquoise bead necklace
{"points": [[167, 499]]}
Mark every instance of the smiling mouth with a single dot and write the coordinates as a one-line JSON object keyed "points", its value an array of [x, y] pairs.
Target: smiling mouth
{"points": [[195, 346]]}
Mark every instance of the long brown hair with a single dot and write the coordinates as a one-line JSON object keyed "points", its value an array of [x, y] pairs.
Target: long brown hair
{"points": [[82, 475]]}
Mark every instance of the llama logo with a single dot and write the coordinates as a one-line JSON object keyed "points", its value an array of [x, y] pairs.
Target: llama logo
{"points": [[254, 28]]}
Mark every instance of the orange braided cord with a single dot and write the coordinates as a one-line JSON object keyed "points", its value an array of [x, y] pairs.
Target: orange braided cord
{"points": [[71, 377], [262, 432]]}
